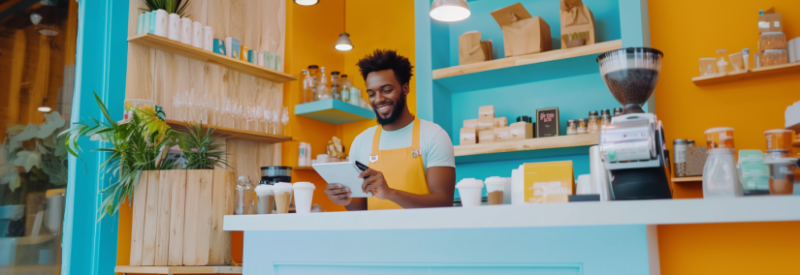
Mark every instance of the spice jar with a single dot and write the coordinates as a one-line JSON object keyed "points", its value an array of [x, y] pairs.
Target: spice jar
{"points": [[594, 122], [679, 146], [618, 111], [572, 127], [583, 126], [690, 143], [605, 117]]}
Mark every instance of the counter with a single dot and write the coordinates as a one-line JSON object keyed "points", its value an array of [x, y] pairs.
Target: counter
{"points": [[618, 237]]}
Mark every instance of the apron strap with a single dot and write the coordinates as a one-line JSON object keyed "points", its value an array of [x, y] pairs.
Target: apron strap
{"points": [[376, 139]]}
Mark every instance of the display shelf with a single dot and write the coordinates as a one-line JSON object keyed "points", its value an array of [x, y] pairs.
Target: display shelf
{"points": [[333, 111], [752, 73], [646, 212], [128, 269], [687, 179], [176, 47], [574, 144], [236, 133], [302, 168], [528, 59]]}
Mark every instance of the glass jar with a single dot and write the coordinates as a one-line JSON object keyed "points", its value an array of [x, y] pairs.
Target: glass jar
{"points": [[594, 122], [336, 86], [618, 111], [583, 126], [245, 197], [313, 74], [572, 127], [720, 178], [680, 146], [345, 88]]}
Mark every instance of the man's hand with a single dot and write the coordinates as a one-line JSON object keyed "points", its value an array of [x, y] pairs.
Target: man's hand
{"points": [[337, 194], [375, 183]]}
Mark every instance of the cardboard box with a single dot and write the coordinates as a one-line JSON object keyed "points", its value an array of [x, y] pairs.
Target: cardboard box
{"points": [[522, 33], [470, 123], [500, 122], [485, 123], [548, 181], [472, 50], [502, 133], [577, 24], [547, 122], [696, 160], [486, 111], [469, 135], [520, 130], [770, 21], [486, 136]]}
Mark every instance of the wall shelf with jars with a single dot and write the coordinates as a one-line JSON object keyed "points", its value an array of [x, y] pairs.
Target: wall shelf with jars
{"points": [[330, 98], [333, 111]]}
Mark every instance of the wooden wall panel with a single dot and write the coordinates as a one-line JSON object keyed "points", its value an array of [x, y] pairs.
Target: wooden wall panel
{"points": [[159, 76]]}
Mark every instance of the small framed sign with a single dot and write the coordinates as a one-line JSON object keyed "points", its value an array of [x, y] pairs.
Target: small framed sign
{"points": [[547, 122]]}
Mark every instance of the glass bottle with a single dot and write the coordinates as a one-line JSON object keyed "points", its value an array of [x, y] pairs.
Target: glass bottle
{"points": [[336, 86], [345, 88], [313, 82], [245, 197], [323, 91], [306, 94]]}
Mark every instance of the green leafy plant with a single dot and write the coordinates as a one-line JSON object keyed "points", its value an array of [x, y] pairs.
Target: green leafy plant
{"points": [[138, 145], [171, 6], [201, 150]]}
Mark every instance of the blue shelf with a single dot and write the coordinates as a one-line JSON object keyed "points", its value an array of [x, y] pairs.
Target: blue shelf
{"points": [[333, 111]]}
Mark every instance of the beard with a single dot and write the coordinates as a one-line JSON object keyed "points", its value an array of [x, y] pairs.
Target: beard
{"points": [[397, 109]]}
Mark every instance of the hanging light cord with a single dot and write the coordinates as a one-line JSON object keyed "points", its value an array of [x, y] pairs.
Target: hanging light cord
{"points": [[344, 24]]}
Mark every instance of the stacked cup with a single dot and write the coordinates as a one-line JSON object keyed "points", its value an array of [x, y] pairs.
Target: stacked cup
{"points": [[470, 192], [303, 194]]}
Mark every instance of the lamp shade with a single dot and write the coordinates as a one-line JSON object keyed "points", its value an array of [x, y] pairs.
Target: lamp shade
{"points": [[344, 44], [449, 10], [306, 2]]}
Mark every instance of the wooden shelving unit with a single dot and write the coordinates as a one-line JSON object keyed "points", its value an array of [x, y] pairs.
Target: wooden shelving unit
{"points": [[333, 111], [687, 179], [176, 47], [236, 133], [465, 153], [127, 269], [752, 73], [508, 62], [302, 168]]}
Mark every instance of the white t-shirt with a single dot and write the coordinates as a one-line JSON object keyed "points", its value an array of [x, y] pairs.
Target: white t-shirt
{"points": [[434, 143]]}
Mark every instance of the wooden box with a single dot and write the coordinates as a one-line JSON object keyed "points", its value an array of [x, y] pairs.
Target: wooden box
{"points": [[577, 24], [468, 135], [177, 218], [472, 50], [522, 33]]}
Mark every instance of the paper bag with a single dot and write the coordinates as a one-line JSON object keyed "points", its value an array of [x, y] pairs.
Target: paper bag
{"points": [[577, 24], [770, 22], [522, 33], [472, 50]]}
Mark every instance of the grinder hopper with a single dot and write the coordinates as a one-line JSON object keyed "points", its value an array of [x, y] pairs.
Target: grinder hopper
{"points": [[631, 75]]}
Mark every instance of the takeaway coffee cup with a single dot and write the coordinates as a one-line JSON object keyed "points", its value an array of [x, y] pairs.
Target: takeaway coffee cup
{"points": [[266, 198], [495, 189], [470, 192], [283, 197], [303, 193]]}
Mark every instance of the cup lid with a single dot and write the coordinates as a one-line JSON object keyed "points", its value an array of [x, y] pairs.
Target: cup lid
{"points": [[776, 131], [718, 129], [470, 183], [283, 185], [264, 189], [304, 185], [496, 180]]}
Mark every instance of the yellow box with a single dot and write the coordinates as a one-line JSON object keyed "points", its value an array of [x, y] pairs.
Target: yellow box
{"points": [[520, 130], [468, 136], [486, 136], [502, 133], [500, 122], [485, 123], [470, 123], [486, 111], [548, 179]]}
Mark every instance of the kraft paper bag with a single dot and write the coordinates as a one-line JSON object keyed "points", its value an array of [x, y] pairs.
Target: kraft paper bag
{"points": [[577, 24]]}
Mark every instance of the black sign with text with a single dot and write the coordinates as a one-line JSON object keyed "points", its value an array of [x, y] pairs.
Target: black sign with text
{"points": [[547, 122]]}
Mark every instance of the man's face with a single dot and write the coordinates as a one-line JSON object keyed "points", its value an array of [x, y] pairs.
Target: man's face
{"points": [[386, 95]]}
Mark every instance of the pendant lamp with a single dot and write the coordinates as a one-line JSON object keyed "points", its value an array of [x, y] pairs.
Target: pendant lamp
{"points": [[449, 10], [343, 43], [306, 2]]}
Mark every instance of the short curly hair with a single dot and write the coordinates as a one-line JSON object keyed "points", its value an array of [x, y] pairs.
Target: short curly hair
{"points": [[381, 60]]}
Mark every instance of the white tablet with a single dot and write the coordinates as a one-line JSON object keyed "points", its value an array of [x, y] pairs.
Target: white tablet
{"points": [[344, 173]]}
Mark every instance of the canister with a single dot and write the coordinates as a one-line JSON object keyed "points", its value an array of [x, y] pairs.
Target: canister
{"points": [[721, 137], [778, 139], [679, 147]]}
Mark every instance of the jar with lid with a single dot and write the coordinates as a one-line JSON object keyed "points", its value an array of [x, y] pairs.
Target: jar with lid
{"points": [[345, 88], [680, 146], [594, 122], [245, 197], [583, 126], [313, 75], [572, 127], [336, 86], [618, 111], [605, 117]]}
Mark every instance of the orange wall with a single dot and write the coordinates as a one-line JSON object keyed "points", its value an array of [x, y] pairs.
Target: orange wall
{"points": [[686, 31]]}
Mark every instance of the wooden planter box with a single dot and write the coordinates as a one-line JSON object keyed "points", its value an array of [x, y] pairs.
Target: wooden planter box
{"points": [[177, 218]]}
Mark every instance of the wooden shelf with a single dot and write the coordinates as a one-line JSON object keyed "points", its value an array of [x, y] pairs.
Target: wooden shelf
{"points": [[176, 47], [514, 61], [752, 73], [178, 269], [687, 179], [333, 111], [302, 168], [478, 152], [236, 133]]}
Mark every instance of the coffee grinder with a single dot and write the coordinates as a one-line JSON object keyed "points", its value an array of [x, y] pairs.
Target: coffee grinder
{"points": [[633, 144]]}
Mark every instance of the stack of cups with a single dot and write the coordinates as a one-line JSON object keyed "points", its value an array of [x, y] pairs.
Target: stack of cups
{"points": [[303, 193], [266, 198], [496, 189], [283, 196], [470, 192]]}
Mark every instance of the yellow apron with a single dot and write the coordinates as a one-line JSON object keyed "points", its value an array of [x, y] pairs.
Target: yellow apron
{"points": [[402, 168]]}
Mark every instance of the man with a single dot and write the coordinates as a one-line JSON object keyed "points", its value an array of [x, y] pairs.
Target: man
{"points": [[411, 161]]}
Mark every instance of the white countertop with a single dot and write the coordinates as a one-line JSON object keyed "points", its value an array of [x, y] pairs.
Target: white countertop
{"points": [[649, 212]]}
